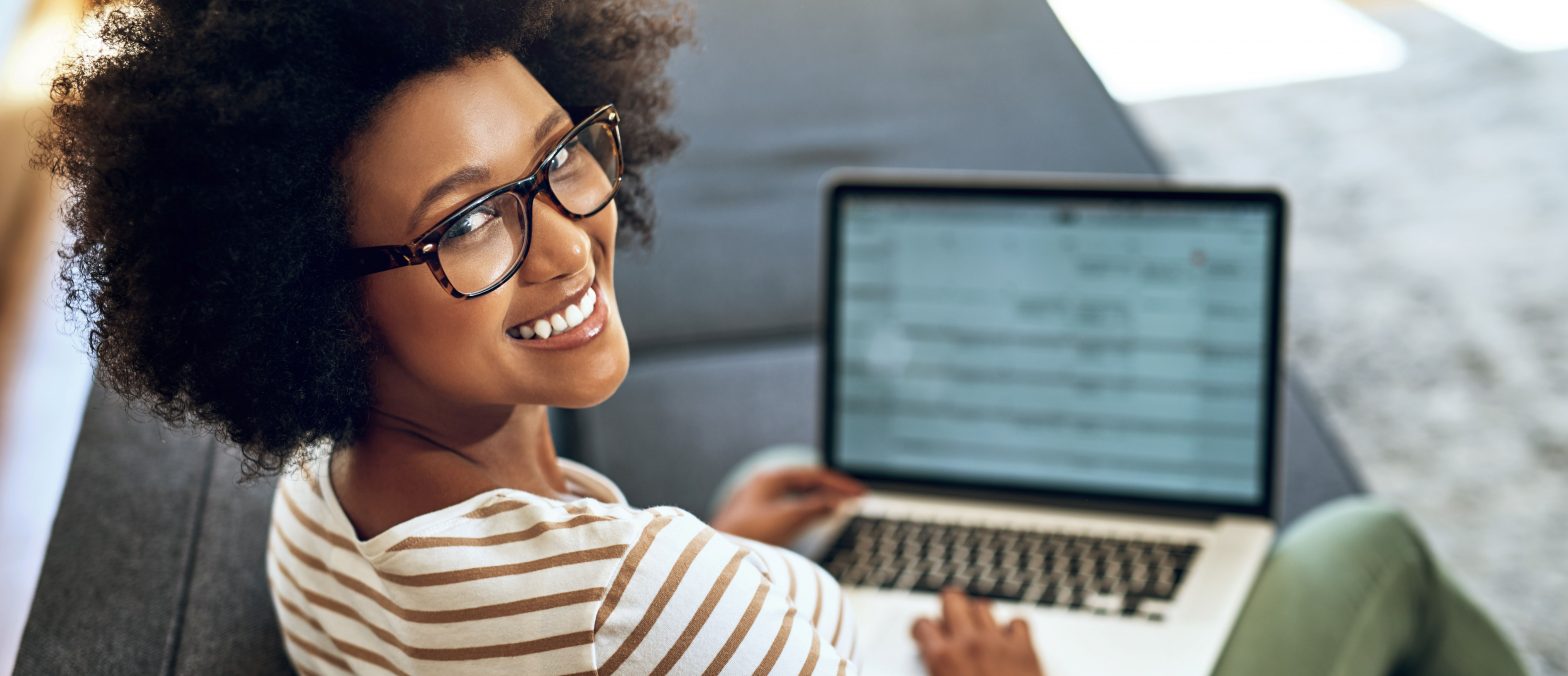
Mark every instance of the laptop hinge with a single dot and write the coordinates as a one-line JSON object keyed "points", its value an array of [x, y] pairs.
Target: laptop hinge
{"points": [[1140, 507]]}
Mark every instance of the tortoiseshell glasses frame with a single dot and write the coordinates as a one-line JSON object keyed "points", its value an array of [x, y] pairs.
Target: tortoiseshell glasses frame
{"points": [[426, 248]]}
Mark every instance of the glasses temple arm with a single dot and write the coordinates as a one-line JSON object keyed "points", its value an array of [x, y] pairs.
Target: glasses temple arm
{"points": [[372, 259]]}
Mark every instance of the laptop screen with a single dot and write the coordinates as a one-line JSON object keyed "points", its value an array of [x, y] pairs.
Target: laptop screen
{"points": [[1113, 344]]}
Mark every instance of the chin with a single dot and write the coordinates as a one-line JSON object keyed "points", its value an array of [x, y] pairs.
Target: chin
{"points": [[587, 397], [593, 386]]}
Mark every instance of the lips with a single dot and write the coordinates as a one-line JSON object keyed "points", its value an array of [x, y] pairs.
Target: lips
{"points": [[558, 321]]}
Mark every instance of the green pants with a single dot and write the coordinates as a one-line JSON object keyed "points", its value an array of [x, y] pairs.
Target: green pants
{"points": [[1349, 590], [1352, 589]]}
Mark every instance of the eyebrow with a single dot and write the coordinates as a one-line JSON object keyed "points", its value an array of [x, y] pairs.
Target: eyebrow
{"points": [[547, 126], [475, 173], [472, 173]]}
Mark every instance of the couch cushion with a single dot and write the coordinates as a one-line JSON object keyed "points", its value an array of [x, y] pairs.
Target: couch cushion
{"points": [[129, 572]]}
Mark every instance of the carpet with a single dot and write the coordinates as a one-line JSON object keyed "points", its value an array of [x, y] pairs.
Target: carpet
{"points": [[1429, 288]]}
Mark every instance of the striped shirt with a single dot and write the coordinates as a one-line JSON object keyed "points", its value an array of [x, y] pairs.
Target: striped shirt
{"points": [[511, 582]]}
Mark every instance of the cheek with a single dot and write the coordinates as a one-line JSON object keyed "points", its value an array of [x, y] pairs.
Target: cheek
{"points": [[602, 227], [426, 330]]}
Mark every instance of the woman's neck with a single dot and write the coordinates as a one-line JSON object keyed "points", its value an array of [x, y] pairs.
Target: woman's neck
{"points": [[404, 466], [507, 446]]}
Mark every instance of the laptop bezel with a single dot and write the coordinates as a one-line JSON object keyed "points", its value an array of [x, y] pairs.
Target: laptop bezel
{"points": [[836, 185]]}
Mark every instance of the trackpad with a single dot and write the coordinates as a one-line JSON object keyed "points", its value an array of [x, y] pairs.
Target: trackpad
{"points": [[1068, 644], [884, 619]]}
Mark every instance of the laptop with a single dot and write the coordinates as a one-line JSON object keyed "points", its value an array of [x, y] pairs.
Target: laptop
{"points": [[1062, 393]]}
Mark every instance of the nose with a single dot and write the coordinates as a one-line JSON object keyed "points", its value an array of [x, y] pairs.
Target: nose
{"points": [[560, 247]]}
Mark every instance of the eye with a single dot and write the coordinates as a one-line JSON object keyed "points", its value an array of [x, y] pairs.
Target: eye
{"points": [[561, 158], [473, 220]]}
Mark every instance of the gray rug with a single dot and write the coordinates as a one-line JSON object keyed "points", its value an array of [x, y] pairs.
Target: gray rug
{"points": [[1429, 298]]}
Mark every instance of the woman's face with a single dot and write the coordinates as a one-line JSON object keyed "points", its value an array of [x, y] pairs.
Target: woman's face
{"points": [[489, 122]]}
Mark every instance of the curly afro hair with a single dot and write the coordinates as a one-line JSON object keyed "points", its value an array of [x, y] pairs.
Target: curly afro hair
{"points": [[205, 201]]}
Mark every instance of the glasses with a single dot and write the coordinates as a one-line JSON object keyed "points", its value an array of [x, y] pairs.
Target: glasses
{"points": [[481, 245]]}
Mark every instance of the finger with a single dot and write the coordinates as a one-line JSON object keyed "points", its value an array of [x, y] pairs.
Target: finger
{"points": [[802, 479], [1016, 626], [929, 637], [984, 620], [843, 483], [798, 513], [813, 505], [956, 612], [1018, 630], [927, 631]]}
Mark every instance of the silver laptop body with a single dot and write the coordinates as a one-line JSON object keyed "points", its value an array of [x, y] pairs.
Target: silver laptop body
{"points": [[1062, 392]]}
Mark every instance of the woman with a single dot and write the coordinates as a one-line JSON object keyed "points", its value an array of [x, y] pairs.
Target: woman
{"points": [[372, 242]]}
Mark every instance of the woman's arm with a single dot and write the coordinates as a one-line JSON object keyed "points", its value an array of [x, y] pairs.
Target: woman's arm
{"points": [[776, 506], [689, 600]]}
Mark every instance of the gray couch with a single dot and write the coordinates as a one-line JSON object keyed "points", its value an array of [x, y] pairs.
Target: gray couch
{"points": [[155, 560]]}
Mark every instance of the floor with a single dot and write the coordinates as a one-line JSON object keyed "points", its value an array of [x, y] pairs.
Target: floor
{"points": [[1429, 299], [1146, 50], [37, 435]]}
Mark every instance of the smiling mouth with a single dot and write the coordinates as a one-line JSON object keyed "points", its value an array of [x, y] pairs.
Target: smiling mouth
{"points": [[562, 321]]}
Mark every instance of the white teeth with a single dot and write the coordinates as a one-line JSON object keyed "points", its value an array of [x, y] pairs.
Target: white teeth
{"points": [[560, 322]]}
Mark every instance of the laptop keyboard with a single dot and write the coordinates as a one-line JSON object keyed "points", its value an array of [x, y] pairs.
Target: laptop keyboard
{"points": [[1102, 575]]}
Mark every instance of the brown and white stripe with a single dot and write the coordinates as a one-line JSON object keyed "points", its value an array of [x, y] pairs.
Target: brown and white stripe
{"points": [[509, 582]]}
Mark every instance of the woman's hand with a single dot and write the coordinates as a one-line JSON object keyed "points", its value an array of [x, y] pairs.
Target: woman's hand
{"points": [[776, 506], [966, 641]]}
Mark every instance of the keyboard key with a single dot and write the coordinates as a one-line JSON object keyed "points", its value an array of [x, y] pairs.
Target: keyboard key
{"points": [[1110, 575]]}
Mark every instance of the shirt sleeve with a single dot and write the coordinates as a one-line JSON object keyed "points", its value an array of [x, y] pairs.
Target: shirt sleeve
{"points": [[689, 600]]}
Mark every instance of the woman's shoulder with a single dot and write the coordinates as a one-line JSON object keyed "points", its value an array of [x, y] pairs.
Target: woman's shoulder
{"points": [[629, 580], [502, 573], [446, 519]]}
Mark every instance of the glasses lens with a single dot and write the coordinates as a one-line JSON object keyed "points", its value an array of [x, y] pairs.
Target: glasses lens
{"points": [[485, 242], [586, 171]]}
